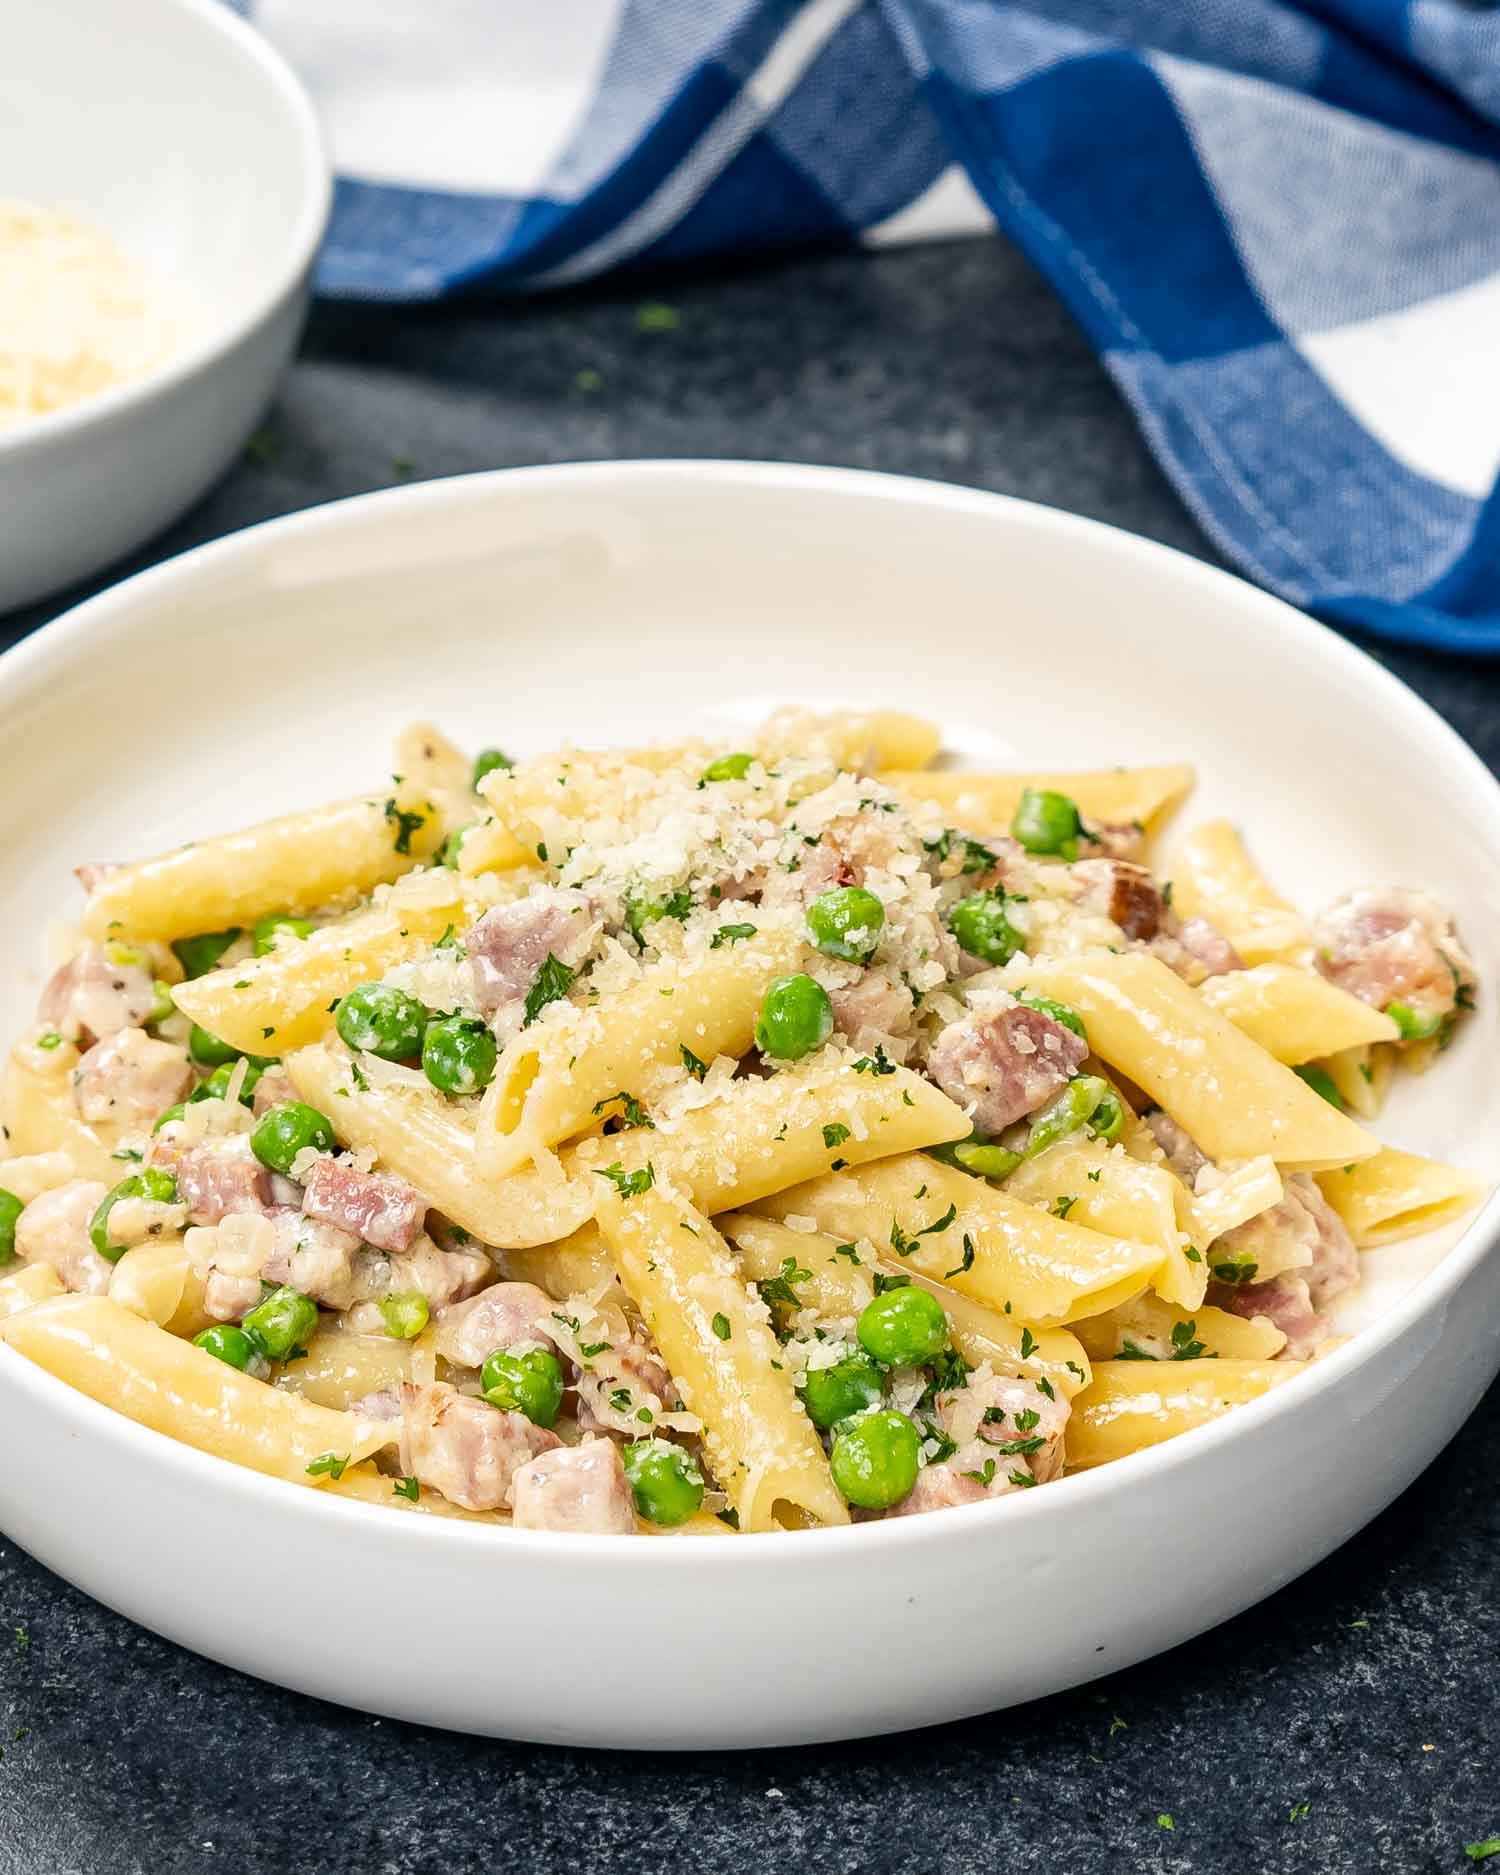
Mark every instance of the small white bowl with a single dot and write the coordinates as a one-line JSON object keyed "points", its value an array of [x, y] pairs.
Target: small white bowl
{"points": [[612, 602], [175, 128]]}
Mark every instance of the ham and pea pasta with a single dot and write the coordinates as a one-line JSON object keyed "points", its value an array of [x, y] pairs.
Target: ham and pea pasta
{"points": [[709, 1138]]}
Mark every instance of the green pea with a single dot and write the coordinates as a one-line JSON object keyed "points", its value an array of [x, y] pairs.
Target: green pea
{"points": [[1413, 1027], [728, 768], [530, 1382], [166, 1118], [1107, 1121], [980, 1156], [835, 1393], [453, 845], [207, 1050], [1321, 1082], [198, 955], [875, 1460], [459, 1055], [1047, 822], [157, 1186], [162, 1004], [982, 928], [11, 1208], [795, 1018], [269, 929], [1059, 1012], [233, 1346], [485, 762], [665, 1482], [846, 922], [404, 1314], [216, 1087], [286, 1129], [903, 1328], [281, 1324], [383, 1021], [1071, 1109]]}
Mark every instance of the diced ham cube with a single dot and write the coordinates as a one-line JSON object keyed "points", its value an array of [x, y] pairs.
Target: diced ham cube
{"points": [[581, 1489], [92, 996], [315, 1257], [1122, 892], [464, 1448], [1002, 1064], [1297, 1300], [217, 1178], [509, 945], [54, 1228], [1388, 945], [377, 1206], [506, 1315], [129, 1079]]}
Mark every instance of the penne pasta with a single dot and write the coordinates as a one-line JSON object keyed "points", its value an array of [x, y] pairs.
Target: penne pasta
{"points": [[1131, 1405], [716, 1339], [1396, 1195], [40, 1118], [557, 1078], [427, 763], [971, 1235], [756, 1137], [1233, 1099], [431, 1142], [339, 1369], [1294, 1014], [1215, 878], [985, 803], [148, 1375], [287, 998], [837, 1284], [23, 1286], [1160, 1331], [293, 864], [158, 1282], [1362, 1077], [864, 740]]}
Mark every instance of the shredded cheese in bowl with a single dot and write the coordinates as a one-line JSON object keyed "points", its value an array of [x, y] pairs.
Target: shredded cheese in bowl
{"points": [[77, 316]]}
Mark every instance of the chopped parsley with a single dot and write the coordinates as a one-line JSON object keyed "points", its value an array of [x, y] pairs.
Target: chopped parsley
{"points": [[1300, 1810], [898, 1279], [720, 1326], [328, 1464], [632, 1113], [50, 1040], [588, 1349], [630, 1184], [781, 1287], [405, 824], [847, 1250], [968, 1259], [690, 1061], [1028, 1348], [1027, 1418], [1164, 1821], [407, 1488], [620, 1399], [1022, 1480], [986, 1477], [1185, 1344], [730, 934], [1021, 1448], [976, 856], [553, 981], [834, 1134], [878, 1063], [128, 1153], [730, 1516], [1062, 1205], [1236, 1271], [1482, 1851]]}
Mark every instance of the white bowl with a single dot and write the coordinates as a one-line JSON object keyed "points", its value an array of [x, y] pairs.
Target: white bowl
{"points": [[625, 601], [174, 127]]}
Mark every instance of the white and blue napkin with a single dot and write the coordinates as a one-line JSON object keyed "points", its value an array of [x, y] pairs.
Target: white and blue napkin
{"points": [[1278, 222]]}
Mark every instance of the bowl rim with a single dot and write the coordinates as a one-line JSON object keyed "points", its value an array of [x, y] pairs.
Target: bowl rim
{"points": [[256, 1492], [225, 334]]}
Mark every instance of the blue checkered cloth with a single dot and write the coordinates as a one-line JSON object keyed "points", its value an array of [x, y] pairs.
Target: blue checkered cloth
{"points": [[1279, 223]]}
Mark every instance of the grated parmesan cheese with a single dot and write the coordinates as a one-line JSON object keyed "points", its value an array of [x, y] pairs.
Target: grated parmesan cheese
{"points": [[77, 316]]}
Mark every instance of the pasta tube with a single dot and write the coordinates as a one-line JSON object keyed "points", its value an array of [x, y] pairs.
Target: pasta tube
{"points": [[716, 1340], [414, 1131], [553, 1080], [1399, 1194], [1293, 1014], [157, 1281], [969, 1234], [141, 1371], [1165, 1332], [285, 999], [1131, 1405], [840, 1283], [1215, 878], [987, 803], [40, 1118], [1234, 1099], [26, 1285], [296, 863], [756, 1137]]}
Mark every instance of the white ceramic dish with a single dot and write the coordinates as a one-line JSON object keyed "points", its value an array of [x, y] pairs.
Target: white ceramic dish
{"points": [[611, 601], [174, 127]]}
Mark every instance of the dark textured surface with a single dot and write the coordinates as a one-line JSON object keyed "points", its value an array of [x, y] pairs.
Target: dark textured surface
{"points": [[1368, 1692]]}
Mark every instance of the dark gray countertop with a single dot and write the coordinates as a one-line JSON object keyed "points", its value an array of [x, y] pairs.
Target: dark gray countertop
{"points": [[1368, 1692]]}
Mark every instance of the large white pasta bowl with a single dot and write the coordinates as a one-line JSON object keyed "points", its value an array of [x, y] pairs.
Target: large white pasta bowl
{"points": [[627, 601]]}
